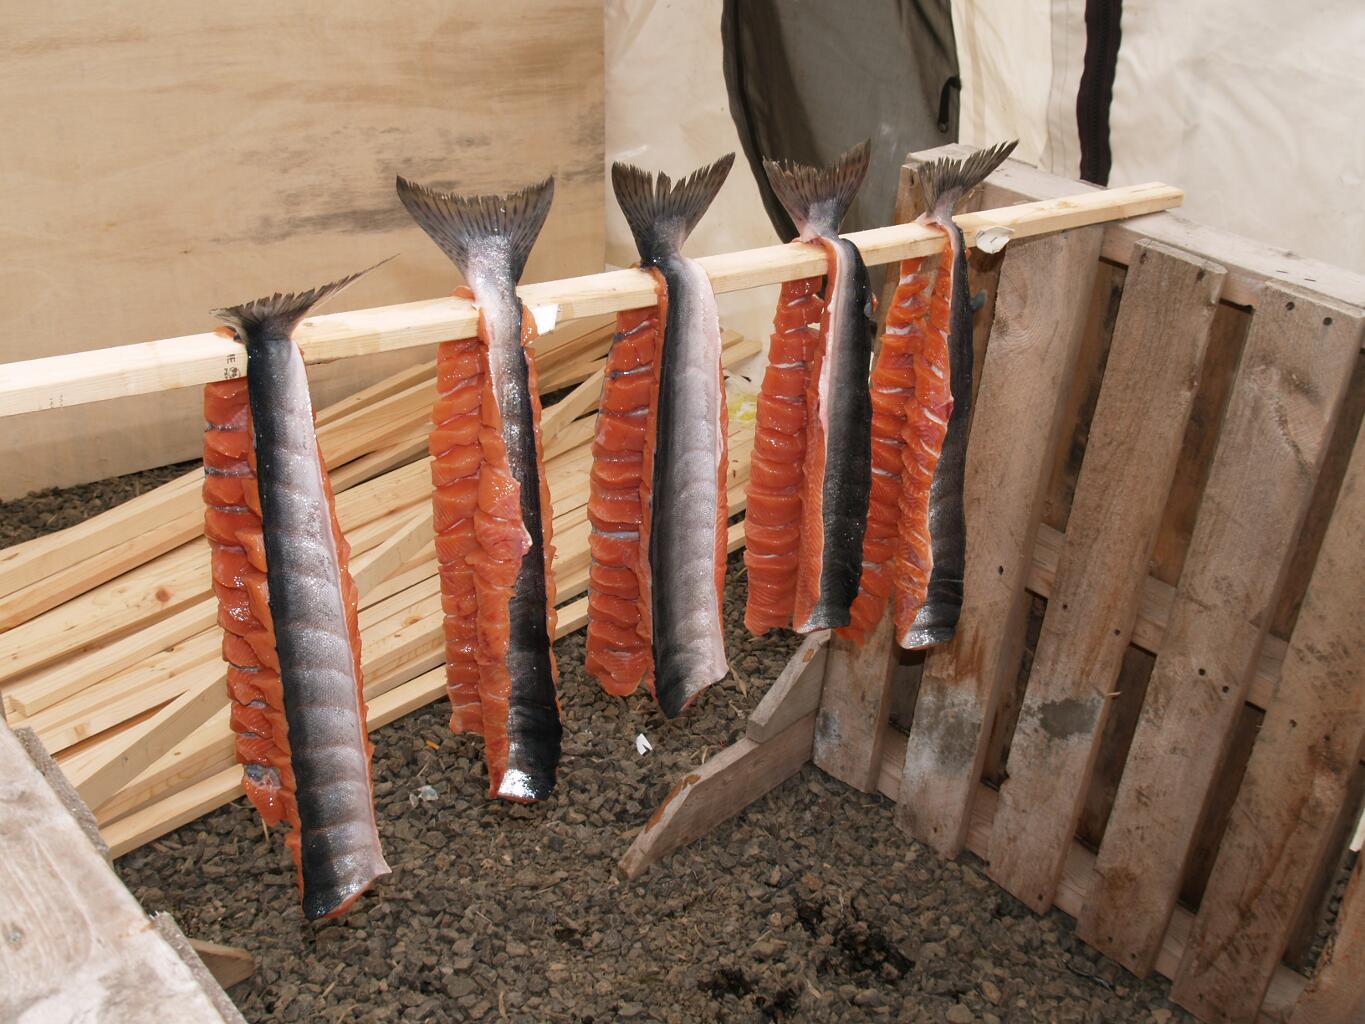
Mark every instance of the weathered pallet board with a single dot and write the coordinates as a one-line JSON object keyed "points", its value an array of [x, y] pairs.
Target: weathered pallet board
{"points": [[1036, 332], [1337, 991], [1293, 376], [1310, 742], [1149, 384]]}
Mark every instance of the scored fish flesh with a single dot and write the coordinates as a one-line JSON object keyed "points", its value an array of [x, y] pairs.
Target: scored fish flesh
{"points": [[287, 605], [922, 393], [491, 501], [658, 506], [811, 470]]}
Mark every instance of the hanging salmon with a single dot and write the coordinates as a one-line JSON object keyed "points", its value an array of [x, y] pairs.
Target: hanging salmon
{"points": [[916, 547], [658, 505], [491, 501], [810, 475], [287, 606]]}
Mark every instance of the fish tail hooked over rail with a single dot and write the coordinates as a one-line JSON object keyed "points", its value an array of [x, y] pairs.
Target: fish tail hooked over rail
{"points": [[657, 505], [811, 470], [661, 214], [818, 198], [491, 501], [287, 605], [915, 554]]}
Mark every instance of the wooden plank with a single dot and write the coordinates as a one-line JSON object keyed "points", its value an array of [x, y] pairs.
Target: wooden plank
{"points": [[1227, 339], [1297, 779], [78, 946], [177, 579], [1045, 288], [1337, 991], [26, 563], [573, 405], [849, 729], [229, 965], [795, 693], [63, 381], [140, 747], [719, 789], [408, 539], [1149, 384], [52, 685], [1297, 362], [181, 223]]}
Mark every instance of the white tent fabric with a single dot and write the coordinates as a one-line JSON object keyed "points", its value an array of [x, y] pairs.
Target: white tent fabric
{"points": [[1257, 110], [667, 110], [1252, 107]]}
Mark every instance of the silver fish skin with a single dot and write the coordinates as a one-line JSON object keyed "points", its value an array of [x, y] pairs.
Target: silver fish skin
{"points": [[688, 643], [340, 855], [489, 239]]}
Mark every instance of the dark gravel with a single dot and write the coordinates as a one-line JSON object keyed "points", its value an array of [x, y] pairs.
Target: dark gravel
{"points": [[56, 508], [811, 906]]}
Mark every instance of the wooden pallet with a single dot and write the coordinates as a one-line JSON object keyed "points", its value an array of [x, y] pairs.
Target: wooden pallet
{"points": [[1178, 480]]}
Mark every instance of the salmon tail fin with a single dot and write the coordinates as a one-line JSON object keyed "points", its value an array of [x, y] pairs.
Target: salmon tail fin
{"points": [[817, 198], [661, 215], [466, 227], [277, 315], [947, 180]]}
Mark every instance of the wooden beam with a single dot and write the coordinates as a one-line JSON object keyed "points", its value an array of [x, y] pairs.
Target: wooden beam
{"points": [[1040, 317], [61, 381], [795, 693], [718, 790], [229, 965], [1149, 385]]}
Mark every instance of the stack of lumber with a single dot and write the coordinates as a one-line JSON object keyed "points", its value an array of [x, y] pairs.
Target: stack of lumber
{"points": [[110, 649]]}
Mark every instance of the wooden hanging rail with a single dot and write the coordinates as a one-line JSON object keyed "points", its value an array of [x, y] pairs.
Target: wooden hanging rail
{"points": [[75, 379]]}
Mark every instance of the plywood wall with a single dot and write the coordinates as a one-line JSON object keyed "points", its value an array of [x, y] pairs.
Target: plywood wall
{"points": [[162, 159]]}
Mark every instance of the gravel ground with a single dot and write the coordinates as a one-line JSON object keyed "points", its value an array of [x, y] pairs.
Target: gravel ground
{"points": [[811, 906]]}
